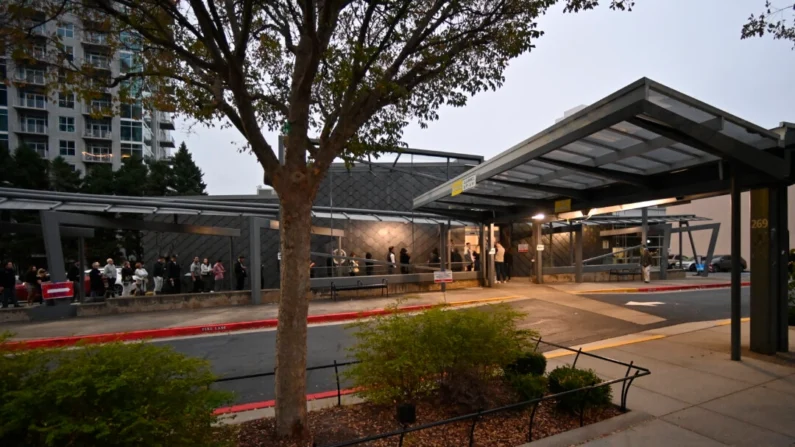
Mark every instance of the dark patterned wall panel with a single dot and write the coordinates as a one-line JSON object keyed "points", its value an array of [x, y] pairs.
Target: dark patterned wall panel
{"points": [[522, 233]]}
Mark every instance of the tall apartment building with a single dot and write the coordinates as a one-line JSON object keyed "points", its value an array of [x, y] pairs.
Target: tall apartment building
{"points": [[84, 134]]}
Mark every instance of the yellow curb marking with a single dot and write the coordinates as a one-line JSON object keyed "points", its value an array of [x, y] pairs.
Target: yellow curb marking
{"points": [[592, 292], [607, 346], [728, 322], [484, 300]]}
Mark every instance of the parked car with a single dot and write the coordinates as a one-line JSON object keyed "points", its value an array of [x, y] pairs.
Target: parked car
{"points": [[723, 263], [22, 291]]}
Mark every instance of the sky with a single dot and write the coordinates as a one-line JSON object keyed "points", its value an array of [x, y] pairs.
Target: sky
{"points": [[692, 46]]}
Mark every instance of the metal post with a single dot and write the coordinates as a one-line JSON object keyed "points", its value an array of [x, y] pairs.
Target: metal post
{"points": [[448, 246], [483, 256], [51, 233], [578, 255], [490, 258], [681, 256], [713, 241], [736, 266], [571, 244], [445, 252], [81, 259], [644, 225], [255, 225], [231, 265], [666, 240], [537, 226]]}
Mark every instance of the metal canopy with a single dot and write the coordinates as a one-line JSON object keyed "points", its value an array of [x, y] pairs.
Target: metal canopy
{"points": [[624, 220], [31, 200], [643, 142]]}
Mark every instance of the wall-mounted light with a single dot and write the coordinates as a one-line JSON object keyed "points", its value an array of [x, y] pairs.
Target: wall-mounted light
{"points": [[539, 216]]}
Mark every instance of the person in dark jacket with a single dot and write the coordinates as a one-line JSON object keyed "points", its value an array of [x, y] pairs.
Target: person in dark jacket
{"points": [[456, 260], [127, 273], [405, 259], [74, 276], [476, 258], [31, 279], [174, 276], [8, 285], [435, 260], [158, 272], [96, 282], [240, 273], [508, 265], [368, 265]]}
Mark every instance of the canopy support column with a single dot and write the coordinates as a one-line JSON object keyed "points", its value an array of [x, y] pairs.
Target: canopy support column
{"points": [[255, 225], [490, 258], [578, 264], [51, 233], [736, 266], [537, 227]]}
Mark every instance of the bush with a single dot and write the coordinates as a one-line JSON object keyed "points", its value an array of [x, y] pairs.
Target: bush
{"points": [[566, 378], [528, 386], [405, 358], [110, 395], [528, 363]]}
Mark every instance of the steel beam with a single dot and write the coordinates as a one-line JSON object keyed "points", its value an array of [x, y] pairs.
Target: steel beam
{"points": [[514, 200], [87, 220], [609, 174], [736, 303], [51, 233], [66, 232], [255, 226], [566, 192], [703, 138], [537, 234], [664, 252], [578, 262]]}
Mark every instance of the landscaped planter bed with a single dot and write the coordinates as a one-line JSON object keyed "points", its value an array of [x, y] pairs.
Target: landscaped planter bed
{"points": [[508, 428]]}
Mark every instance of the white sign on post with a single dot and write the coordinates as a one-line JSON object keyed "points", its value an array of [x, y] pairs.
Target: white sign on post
{"points": [[492, 251], [443, 276], [524, 248], [469, 182], [540, 247]]}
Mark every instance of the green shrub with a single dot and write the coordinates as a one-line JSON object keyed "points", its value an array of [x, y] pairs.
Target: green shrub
{"points": [[405, 358], [566, 378], [528, 386], [108, 395], [528, 363]]}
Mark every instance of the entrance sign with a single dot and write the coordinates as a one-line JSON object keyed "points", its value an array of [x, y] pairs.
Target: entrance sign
{"points": [[561, 206], [540, 247], [443, 277], [54, 290], [492, 251], [524, 248], [464, 184]]}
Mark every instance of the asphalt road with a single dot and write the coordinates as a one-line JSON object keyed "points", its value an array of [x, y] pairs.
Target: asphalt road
{"points": [[683, 307], [241, 354]]}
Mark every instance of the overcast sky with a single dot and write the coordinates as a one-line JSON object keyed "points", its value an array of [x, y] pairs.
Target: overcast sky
{"points": [[693, 46]]}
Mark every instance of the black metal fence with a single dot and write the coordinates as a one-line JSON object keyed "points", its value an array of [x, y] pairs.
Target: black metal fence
{"points": [[633, 372]]}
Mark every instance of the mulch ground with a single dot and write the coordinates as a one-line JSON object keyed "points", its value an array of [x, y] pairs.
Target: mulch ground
{"points": [[346, 423]]}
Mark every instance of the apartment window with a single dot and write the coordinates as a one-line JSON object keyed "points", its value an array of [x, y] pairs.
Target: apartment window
{"points": [[3, 69], [4, 140], [73, 167], [66, 148], [3, 96], [66, 123], [3, 120], [129, 150], [66, 100], [68, 51], [132, 111], [125, 62], [131, 131], [66, 30], [130, 40], [39, 146]]}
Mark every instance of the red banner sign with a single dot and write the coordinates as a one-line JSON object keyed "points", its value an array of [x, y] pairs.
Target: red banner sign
{"points": [[54, 290]]}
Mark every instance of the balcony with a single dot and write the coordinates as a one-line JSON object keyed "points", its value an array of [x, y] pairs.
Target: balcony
{"points": [[32, 127], [36, 102], [165, 121], [101, 108], [95, 38], [33, 77], [165, 140], [98, 61], [98, 155], [97, 134]]}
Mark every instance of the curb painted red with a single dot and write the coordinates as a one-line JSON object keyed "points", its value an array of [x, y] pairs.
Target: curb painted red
{"points": [[695, 287], [272, 403], [59, 342]]}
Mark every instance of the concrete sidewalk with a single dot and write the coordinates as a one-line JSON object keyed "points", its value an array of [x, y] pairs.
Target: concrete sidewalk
{"points": [[695, 394], [689, 282]]}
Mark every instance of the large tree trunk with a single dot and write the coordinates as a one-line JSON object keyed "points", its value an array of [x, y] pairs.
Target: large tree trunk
{"points": [[296, 220]]}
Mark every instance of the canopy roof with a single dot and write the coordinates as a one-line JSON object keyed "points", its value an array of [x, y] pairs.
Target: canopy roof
{"points": [[642, 143], [31, 200]]}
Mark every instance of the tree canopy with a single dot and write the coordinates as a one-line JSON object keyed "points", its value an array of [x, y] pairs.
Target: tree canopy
{"points": [[778, 22], [186, 175]]}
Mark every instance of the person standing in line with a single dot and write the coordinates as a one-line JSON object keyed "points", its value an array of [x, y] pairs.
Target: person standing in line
{"points": [[218, 276], [435, 260], [8, 285], [196, 275], [97, 282], [109, 273], [476, 260], [141, 277], [158, 272], [207, 275], [353, 265], [368, 265], [240, 273], [645, 263], [43, 276], [456, 261], [74, 275], [499, 262], [405, 259], [508, 266], [127, 274], [30, 279], [174, 276], [468, 259], [390, 258]]}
